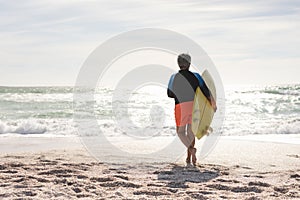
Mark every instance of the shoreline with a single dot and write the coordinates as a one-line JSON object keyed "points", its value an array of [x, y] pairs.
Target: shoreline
{"points": [[228, 151], [269, 138]]}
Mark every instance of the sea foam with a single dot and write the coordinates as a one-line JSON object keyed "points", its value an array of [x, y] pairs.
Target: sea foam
{"points": [[24, 127]]}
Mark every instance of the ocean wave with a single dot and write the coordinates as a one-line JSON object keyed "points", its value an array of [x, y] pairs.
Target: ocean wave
{"points": [[253, 126], [36, 90], [25, 127], [49, 110]]}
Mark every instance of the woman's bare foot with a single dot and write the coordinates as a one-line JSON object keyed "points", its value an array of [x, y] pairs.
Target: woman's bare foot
{"points": [[188, 158]]}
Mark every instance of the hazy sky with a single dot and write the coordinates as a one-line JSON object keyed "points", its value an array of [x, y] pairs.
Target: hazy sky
{"points": [[250, 42]]}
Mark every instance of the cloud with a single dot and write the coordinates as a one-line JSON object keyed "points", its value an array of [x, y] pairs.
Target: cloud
{"points": [[58, 35]]}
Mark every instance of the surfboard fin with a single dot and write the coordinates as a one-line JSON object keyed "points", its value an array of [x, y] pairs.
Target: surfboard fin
{"points": [[208, 131]]}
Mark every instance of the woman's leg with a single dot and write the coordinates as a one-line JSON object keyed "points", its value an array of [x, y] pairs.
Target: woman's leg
{"points": [[188, 140], [185, 139], [190, 135], [192, 148]]}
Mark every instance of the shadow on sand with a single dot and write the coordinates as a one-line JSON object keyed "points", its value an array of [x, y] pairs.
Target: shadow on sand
{"points": [[178, 176]]}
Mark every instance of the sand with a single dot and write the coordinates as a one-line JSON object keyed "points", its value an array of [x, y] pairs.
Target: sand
{"points": [[62, 169]]}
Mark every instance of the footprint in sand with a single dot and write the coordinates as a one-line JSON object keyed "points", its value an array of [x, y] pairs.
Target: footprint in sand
{"points": [[101, 179], [177, 185], [120, 184], [20, 186], [59, 181], [243, 167], [42, 180], [294, 156], [16, 157], [83, 196], [76, 190], [2, 167], [58, 172], [197, 196], [150, 193], [296, 176], [281, 189], [4, 185], [122, 177], [235, 189], [82, 177], [256, 176], [154, 185], [9, 171], [48, 162], [226, 180], [29, 193], [246, 189], [18, 180], [15, 165], [258, 183], [172, 190]]}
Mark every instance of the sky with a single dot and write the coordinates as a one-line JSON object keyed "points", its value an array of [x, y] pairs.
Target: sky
{"points": [[250, 42]]}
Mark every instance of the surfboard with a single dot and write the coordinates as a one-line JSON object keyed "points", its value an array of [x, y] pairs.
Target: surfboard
{"points": [[203, 112]]}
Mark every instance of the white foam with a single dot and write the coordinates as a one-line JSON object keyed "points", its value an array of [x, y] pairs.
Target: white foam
{"points": [[25, 127]]}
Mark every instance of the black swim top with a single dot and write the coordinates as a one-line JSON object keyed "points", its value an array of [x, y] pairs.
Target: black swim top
{"points": [[182, 86]]}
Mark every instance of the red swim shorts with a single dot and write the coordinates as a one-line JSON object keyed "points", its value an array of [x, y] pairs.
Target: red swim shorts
{"points": [[183, 113]]}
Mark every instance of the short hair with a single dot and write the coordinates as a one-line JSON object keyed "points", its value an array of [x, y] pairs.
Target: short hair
{"points": [[184, 60]]}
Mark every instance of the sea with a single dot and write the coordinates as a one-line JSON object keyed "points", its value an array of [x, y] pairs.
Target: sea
{"points": [[49, 111]]}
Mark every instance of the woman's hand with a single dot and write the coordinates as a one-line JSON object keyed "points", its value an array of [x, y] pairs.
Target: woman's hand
{"points": [[213, 104]]}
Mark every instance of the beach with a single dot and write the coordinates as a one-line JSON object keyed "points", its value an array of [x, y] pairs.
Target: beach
{"points": [[255, 155], [96, 96], [61, 168]]}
